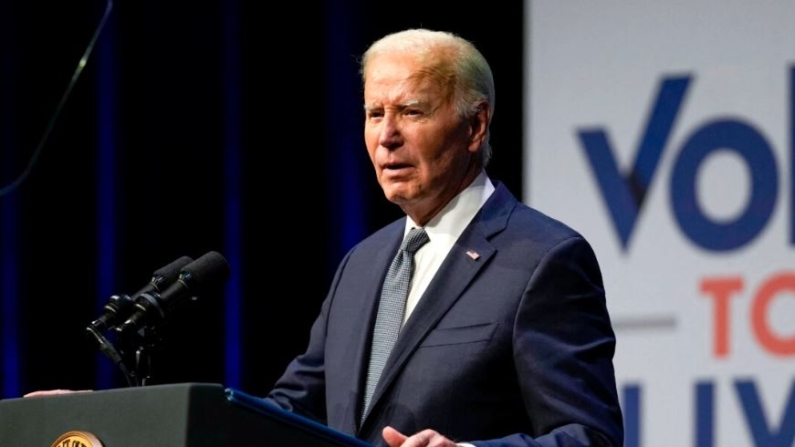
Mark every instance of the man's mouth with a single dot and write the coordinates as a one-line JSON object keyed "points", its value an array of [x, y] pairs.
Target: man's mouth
{"points": [[396, 166]]}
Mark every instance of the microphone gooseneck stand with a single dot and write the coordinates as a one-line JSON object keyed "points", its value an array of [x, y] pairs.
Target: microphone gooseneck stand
{"points": [[116, 356], [141, 345], [134, 355]]}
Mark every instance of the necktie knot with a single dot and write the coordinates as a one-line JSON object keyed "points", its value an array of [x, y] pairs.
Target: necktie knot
{"points": [[416, 238]]}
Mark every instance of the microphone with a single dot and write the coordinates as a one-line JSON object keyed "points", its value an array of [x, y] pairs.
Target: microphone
{"points": [[119, 307], [206, 274]]}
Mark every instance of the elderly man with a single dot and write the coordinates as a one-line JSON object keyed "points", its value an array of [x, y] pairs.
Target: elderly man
{"points": [[474, 319]]}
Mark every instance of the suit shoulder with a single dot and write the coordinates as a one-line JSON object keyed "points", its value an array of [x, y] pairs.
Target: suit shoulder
{"points": [[503, 213], [540, 225], [379, 239]]}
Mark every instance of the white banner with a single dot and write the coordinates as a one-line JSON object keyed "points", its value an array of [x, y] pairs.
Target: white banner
{"points": [[665, 133]]}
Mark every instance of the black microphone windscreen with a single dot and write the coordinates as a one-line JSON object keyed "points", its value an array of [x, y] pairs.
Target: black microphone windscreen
{"points": [[204, 275], [170, 273], [207, 272]]}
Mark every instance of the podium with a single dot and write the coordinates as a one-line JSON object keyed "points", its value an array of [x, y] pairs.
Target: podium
{"points": [[173, 415]]}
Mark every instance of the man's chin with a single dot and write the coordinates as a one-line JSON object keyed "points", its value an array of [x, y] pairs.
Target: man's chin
{"points": [[397, 199], [398, 194]]}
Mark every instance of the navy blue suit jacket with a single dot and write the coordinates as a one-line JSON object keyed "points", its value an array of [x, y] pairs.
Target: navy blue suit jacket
{"points": [[513, 347]]}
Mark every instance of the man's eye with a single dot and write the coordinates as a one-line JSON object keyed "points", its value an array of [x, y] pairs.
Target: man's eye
{"points": [[413, 112], [374, 115]]}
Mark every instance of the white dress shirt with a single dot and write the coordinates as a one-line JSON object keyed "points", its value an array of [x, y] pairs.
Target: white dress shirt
{"points": [[443, 230]]}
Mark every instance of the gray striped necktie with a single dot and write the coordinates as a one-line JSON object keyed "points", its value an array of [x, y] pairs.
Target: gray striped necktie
{"points": [[391, 309]]}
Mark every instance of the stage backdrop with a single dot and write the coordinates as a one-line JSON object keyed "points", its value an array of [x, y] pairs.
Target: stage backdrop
{"points": [[197, 126], [663, 131]]}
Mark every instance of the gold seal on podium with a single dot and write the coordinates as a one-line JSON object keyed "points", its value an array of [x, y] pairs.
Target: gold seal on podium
{"points": [[77, 439]]}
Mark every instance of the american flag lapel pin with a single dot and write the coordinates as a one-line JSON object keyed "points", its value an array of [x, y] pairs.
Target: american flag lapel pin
{"points": [[473, 255]]}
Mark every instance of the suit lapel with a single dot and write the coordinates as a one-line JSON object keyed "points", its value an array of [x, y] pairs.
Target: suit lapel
{"points": [[468, 256]]}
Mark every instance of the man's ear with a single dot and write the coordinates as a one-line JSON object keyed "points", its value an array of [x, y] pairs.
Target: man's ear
{"points": [[479, 126]]}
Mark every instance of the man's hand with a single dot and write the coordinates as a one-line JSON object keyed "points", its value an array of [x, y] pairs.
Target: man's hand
{"points": [[43, 393], [425, 438]]}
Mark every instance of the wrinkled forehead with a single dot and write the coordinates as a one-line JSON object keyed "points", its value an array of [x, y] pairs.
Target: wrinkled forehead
{"points": [[404, 74]]}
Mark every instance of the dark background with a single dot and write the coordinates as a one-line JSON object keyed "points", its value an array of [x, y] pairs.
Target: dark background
{"points": [[233, 126]]}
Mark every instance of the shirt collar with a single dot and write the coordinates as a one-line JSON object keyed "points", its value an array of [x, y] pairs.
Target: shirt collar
{"points": [[447, 225]]}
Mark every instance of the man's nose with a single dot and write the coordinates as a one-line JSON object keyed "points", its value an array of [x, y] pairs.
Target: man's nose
{"points": [[390, 136]]}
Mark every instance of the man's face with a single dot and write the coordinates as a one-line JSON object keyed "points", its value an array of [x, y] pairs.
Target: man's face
{"points": [[421, 149]]}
